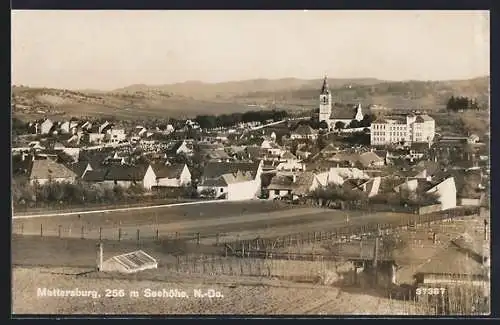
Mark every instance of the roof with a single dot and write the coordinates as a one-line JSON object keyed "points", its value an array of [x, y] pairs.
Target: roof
{"points": [[216, 154], [47, 168], [461, 257], [98, 175], [79, 167], [346, 112], [423, 118], [288, 155], [304, 130], [217, 169], [368, 158], [301, 185], [430, 166], [126, 173], [254, 152], [168, 171]]}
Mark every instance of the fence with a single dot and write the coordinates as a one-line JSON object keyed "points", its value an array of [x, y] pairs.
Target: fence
{"points": [[149, 232]]}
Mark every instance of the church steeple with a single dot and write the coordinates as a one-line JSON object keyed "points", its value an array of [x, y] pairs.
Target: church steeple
{"points": [[325, 90]]}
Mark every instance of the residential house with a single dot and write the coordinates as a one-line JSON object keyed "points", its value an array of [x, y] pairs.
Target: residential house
{"points": [[45, 170], [371, 186], [175, 175], [46, 126], [104, 127], [444, 190], [232, 180], [463, 264], [80, 168], [304, 132], [127, 176], [292, 185]]}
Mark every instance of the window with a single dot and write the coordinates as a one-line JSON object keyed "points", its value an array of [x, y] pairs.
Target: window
{"points": [[289, 191], [277, 192], [221, 189]]}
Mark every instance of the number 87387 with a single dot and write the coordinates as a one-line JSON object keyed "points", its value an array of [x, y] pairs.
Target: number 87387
{"points": [[430, 291]]}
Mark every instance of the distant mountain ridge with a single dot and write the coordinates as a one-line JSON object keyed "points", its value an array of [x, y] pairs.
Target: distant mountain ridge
{"points": [[191, 98]]}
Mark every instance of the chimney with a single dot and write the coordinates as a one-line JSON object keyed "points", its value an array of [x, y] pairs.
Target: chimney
{"points": [[99, 256]]}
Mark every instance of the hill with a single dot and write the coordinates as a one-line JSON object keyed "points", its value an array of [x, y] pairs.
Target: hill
{"points": [[193, 97]]}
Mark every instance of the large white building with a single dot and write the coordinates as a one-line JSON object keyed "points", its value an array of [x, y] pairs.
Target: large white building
{"points": [[412, 129]]}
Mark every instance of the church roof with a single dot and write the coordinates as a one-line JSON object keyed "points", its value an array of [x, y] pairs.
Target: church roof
{"points": [[347, 112]]}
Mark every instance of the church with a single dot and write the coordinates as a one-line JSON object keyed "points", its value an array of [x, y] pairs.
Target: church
{"points": [[332, 115]]}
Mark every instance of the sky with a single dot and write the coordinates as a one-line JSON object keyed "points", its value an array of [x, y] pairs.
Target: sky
{"points": [[112, 49]]}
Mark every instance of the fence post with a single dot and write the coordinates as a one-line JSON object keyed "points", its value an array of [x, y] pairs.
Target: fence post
{"points": [[198, 239], [217, 239], [138, 234], [176, 236], [41, 230], [100, 233], [119, 234], [82, 233], [22, 228], [157, 234]]}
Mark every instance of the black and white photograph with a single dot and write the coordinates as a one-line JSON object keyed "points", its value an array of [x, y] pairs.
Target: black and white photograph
{"points": [[252, 163]]}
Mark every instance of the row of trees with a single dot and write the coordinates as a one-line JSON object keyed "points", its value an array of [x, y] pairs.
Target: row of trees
{"points": [[226, 120], [356, 198], [461, 103], [24, 193]]}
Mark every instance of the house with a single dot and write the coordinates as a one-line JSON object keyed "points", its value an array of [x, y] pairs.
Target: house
{"points": [[175, 175], [85, 126], [444, 190], [45, 170], [127, 176], [304, 132], [232, 180], [46, 126], [464, 263], [292, 185], [371, 186]]}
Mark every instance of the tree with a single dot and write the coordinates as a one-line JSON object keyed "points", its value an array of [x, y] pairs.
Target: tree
{"points": [[367, 120], [208, 193], [339, 125], [323, 125], [354, 124], [321, 142]]}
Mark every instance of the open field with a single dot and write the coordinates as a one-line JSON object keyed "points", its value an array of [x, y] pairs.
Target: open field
{"points": [[230, 220], [244, 296]]}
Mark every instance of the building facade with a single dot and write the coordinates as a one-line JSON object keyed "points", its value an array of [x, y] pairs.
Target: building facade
{"points": [[412, 129]]}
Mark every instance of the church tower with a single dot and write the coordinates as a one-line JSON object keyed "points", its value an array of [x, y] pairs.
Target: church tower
{"points": [[325, 102]]}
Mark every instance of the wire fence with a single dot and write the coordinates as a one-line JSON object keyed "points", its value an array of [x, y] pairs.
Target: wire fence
{"points": [[162, 232]]}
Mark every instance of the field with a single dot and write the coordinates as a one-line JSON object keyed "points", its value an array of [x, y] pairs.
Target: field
{"points": [[249, 285], [243, 220], [242, 296]]}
